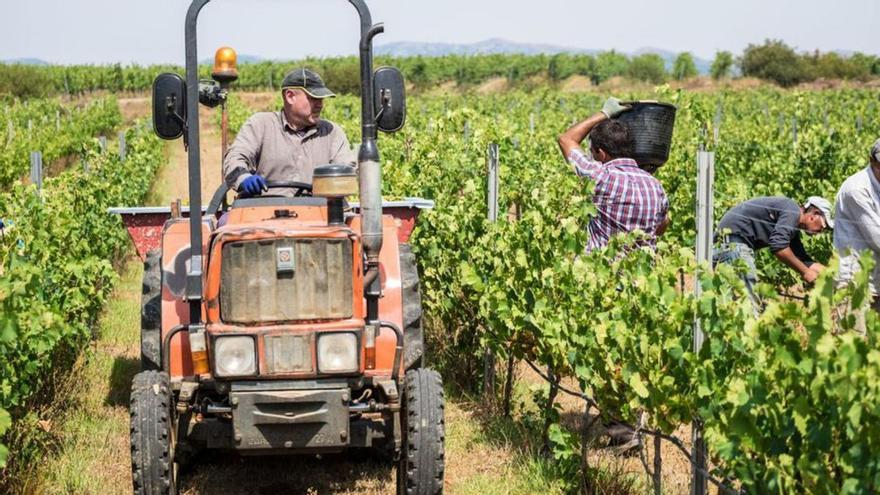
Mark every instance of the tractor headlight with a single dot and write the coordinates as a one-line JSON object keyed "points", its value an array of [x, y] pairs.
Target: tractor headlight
{"points": [[235, 356], [337, 352]]}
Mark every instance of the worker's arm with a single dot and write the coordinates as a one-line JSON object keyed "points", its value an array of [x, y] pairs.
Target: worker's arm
{"points": [[797, 247], [571, 139], [661, 229], [788, 257], [243, 155], [786, 245]]}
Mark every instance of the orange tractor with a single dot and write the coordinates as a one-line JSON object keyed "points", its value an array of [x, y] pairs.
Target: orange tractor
{"points": [[293, 328]]}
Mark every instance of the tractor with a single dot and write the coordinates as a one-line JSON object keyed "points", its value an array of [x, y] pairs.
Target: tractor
{"points": [[293, 327]]}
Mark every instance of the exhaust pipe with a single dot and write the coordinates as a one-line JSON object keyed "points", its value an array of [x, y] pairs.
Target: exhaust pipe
{"points": [[370, 170], [368, 155], [371, 202]]}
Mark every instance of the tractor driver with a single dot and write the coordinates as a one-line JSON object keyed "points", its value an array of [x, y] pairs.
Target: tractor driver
{"points": [[288, 144]]}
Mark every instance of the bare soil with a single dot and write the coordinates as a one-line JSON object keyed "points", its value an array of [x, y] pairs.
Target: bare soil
{"points": [[492, 86], [259, 101], [134, 108], [576, 84], [359, 473], [172, 183]]}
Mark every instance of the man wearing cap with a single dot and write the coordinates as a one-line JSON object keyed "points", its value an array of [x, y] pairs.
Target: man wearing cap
{"points": [[775, 223], [858, 222], [287, 145]]}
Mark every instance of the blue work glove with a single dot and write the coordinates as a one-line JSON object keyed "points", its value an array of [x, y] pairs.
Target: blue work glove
{"points": [[253, 185]]}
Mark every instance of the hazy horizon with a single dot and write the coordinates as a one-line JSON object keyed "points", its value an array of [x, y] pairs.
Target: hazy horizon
{"points": [[102, 31]]}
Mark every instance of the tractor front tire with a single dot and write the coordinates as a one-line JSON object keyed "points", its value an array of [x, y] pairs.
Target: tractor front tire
{"points": [[153, 470], [151, 312], [413, 338], [421, 467]]}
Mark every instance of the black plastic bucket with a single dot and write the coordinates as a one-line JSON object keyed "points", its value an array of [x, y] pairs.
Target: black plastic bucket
{"points": [[650, 124]]}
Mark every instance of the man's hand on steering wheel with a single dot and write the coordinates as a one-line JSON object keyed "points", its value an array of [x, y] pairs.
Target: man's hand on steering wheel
{"points": [[253, 185], [251, 190]]}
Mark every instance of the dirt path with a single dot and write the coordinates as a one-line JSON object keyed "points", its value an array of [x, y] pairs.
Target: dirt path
{"points": [[172, 183]]}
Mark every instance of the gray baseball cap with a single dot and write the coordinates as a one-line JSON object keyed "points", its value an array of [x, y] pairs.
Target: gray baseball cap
{"points": [[308, 81], [823, 206], [875, 150]]}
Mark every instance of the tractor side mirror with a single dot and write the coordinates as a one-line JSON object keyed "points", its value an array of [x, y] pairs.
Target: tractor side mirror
{"points": [[169, 106], [390, 98]]}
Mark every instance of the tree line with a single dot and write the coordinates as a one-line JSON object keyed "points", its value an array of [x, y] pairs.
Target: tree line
{"points": [[773, 61]]}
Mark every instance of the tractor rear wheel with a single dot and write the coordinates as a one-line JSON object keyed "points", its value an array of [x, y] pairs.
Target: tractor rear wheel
{"points": [[151, 312], [413, 339], [153, 438], [420, 471]]}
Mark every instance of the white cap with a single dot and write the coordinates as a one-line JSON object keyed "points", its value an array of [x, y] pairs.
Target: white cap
{"points": [[823, 206]]}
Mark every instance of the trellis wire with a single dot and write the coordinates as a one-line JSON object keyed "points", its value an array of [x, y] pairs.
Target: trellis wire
{"points": [[654, 433]]}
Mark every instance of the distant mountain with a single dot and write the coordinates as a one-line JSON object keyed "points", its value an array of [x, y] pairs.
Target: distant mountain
{"points": [[497, 45], [26, 61], [844, 53], [242, 58], [248, 59], [493, 45]]}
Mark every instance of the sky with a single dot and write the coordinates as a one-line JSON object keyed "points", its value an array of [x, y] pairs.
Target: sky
{"points": [[147, 32]]}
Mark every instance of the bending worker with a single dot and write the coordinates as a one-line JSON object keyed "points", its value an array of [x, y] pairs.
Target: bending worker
{"points": [[775, 223], [287, 145]]}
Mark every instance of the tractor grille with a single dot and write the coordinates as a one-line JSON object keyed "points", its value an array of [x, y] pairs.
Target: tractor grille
{"points": [[288, 353], [286, 279]]}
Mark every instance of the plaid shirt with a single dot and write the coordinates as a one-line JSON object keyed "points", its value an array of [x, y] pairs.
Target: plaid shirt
{"points": [[627, 198]]}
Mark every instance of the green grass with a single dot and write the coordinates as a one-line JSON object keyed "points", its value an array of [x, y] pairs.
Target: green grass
{"points": [[505, 447], [90, 426]]}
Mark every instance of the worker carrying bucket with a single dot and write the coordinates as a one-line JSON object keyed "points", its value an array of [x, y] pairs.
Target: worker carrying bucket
{"points": [[627, 196]]}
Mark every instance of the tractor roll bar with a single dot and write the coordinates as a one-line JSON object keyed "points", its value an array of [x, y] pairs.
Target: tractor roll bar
{"points": [[194, 274], [368, 151]]}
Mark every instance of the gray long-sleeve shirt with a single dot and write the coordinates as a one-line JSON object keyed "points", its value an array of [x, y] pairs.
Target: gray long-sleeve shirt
{"points": [[269, 146], [857, 224], [770, 221]]}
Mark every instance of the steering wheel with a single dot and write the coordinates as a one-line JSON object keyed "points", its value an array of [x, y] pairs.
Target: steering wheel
{"points": [[301, 189]]}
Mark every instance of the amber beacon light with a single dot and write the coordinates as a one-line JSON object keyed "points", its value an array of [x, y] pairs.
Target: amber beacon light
{"points": [[225, 70]]}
